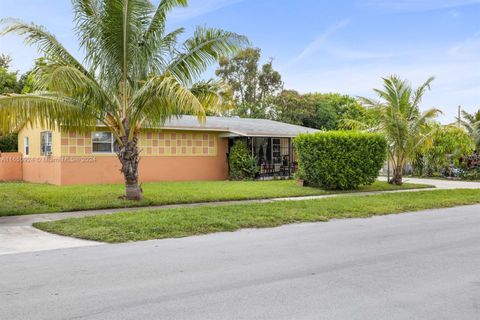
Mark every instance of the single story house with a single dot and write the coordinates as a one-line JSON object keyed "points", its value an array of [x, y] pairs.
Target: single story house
{"points": [[182, 150]]}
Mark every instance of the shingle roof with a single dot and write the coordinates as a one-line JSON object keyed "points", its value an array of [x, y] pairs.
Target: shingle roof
{"points": [[239, 126]]}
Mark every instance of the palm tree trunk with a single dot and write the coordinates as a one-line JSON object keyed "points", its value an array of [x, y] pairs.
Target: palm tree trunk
{"points": [[397, 178], [397, 168], [129, 156]]}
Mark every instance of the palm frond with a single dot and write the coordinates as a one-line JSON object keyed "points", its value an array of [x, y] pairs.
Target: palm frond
{"points": [[88, 19], [352, 124], [164, 97], [417, 97], [46, 42], [369, 103], [157, 54], [209, 93], [206, 46], [156, 27], [71, 82], [468, 116], [112, 39], [429, 114], [46, 110]]}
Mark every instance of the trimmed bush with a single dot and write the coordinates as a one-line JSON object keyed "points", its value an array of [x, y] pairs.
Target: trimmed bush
{"points": [[341, 160], [243, 166]]}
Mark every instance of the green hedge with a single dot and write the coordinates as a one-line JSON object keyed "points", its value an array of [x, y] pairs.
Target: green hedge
{"points": [[340, 159], [8, 143]]}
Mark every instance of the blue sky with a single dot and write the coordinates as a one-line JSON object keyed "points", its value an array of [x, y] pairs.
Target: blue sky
{"points": [[321, 45]]}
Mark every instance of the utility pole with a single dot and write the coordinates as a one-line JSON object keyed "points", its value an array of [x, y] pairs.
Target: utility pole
{"points": [[388, 169], [459, 116]]}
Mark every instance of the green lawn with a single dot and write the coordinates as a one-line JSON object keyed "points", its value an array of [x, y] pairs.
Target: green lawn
{"points": [[26, 198], [171, 223]]}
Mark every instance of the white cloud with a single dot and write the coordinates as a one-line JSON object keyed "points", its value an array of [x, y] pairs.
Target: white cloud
{"points": [[417, 5], [349, 54], [317, 44], [200, 7], [469, 48]]}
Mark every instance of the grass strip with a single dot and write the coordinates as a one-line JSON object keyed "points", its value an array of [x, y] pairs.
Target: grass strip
{"points": [[173, 223], [28, 198]]}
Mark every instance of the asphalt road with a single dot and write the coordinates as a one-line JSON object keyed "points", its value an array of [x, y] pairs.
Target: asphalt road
{"points": [[412, 266]]}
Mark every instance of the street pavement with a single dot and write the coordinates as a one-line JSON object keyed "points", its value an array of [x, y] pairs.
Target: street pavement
{"points": [[423, 265]]}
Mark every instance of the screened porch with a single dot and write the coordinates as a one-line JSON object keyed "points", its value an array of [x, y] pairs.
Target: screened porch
{"points": [[275, 156]]}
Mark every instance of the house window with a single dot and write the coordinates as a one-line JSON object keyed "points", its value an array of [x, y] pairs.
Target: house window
{"points": [[103, 142], [46, 143], [26, 146]]}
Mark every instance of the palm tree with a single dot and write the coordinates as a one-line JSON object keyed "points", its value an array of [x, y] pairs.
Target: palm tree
{"points": [[399, 118], [134, 74], [471, 123]]}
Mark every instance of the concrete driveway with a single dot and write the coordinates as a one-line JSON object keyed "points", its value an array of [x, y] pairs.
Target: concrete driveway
{"points": [[423, 265], [16, 239], [442, 184], [18, 235]]}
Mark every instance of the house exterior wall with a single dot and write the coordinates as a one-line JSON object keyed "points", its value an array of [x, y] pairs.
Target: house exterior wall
{"points": [[165, 156], [35, 167], [33, 133], [106, 169], [165, 143]]}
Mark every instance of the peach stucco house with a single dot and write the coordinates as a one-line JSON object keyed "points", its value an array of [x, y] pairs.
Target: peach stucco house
{"points": [[182, 150]]}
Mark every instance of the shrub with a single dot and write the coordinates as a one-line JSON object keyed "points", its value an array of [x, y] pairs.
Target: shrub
{"points": [[243, 166], [448, 146], [8, 143], [472, 174], [340, 159]]}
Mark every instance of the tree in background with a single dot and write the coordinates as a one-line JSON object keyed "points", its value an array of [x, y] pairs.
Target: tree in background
{"points": [[252, 86], [258, 93], [290, 107], [471, 122], [9, 143], [28, 82], [449, 144], [8, 84], [398, 117], [135, 74], [326, 111], [8, 79], [5, 61]]}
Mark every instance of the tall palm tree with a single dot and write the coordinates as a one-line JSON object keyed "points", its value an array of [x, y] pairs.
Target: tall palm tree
{"points": [[471, 122], [398, 116], [134, 74]]}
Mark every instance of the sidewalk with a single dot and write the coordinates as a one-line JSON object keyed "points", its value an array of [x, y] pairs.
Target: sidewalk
{"points": [[18, 235]]}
